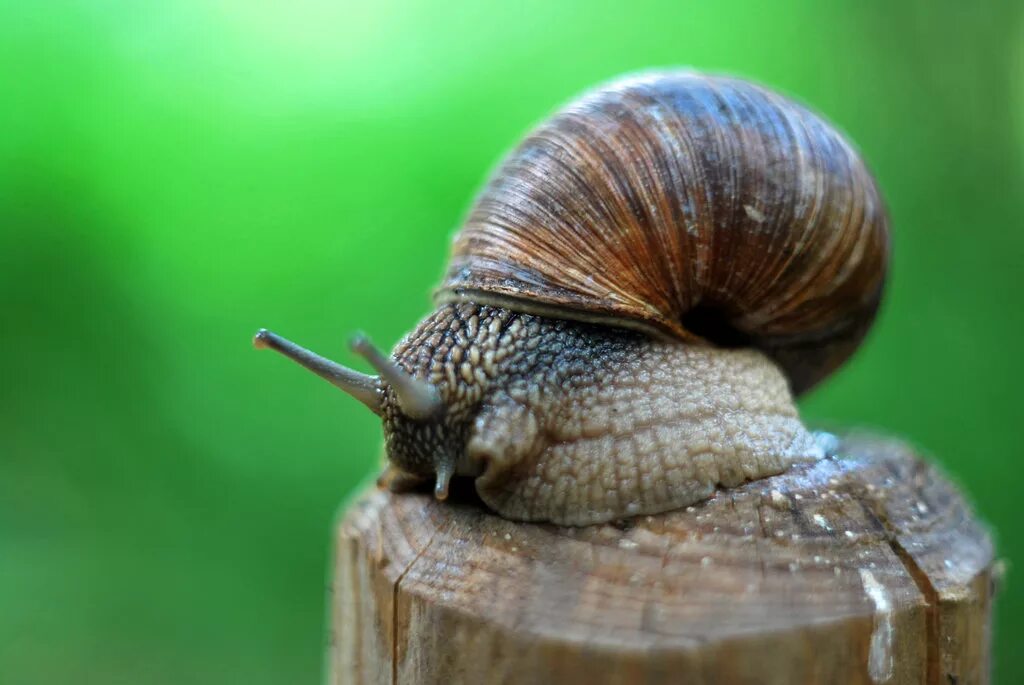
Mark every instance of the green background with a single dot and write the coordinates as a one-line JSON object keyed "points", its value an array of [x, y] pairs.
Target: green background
{"points": [[176, 174]]}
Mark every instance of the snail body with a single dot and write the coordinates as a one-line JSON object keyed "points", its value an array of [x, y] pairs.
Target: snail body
{"points": [[581, 423], [632, 303]]}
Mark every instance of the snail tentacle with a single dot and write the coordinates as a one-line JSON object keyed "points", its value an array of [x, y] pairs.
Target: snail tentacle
{"points": [[418, 399], [366, 389]]}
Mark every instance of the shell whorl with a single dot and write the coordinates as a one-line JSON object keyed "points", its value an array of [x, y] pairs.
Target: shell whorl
{"points": [[697, 207]]}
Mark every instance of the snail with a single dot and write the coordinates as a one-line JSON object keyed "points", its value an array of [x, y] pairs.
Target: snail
{"points": [[631, 305]]}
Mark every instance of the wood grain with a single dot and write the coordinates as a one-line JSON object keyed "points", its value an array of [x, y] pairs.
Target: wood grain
{"points": [[867, 567]]}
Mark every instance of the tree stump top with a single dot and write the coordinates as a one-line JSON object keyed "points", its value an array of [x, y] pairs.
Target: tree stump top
{"points": [[864, 567]]}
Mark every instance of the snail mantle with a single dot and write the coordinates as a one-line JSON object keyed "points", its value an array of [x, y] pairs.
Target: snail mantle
{"points": [[866, 567]]}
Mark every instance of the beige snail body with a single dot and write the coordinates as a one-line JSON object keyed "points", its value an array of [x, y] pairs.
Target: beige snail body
{"points": [[632, 302]]}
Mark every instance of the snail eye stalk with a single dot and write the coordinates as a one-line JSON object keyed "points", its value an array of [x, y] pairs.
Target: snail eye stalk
{"points": [[366, 389], [417, 399]]}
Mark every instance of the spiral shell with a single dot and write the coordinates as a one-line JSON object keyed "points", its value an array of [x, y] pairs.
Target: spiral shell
{"points": [[689, 206]]}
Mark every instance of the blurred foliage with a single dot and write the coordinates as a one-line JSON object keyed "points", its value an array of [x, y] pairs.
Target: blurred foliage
{"points": [[176, 174]]}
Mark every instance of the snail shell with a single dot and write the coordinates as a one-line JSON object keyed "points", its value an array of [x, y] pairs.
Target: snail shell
{"points": [[696, 207]]}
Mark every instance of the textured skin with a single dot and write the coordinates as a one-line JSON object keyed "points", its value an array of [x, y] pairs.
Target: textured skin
{"points": [[577, 424]]}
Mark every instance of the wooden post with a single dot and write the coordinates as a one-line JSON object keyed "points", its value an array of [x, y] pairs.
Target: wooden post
{"points": [[863, 568]]}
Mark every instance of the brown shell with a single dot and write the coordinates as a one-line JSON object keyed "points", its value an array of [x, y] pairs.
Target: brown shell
{"points": [[701, 207]]}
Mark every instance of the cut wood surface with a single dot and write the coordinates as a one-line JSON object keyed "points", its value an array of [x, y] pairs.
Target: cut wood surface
{"points": [[866, 567]]}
